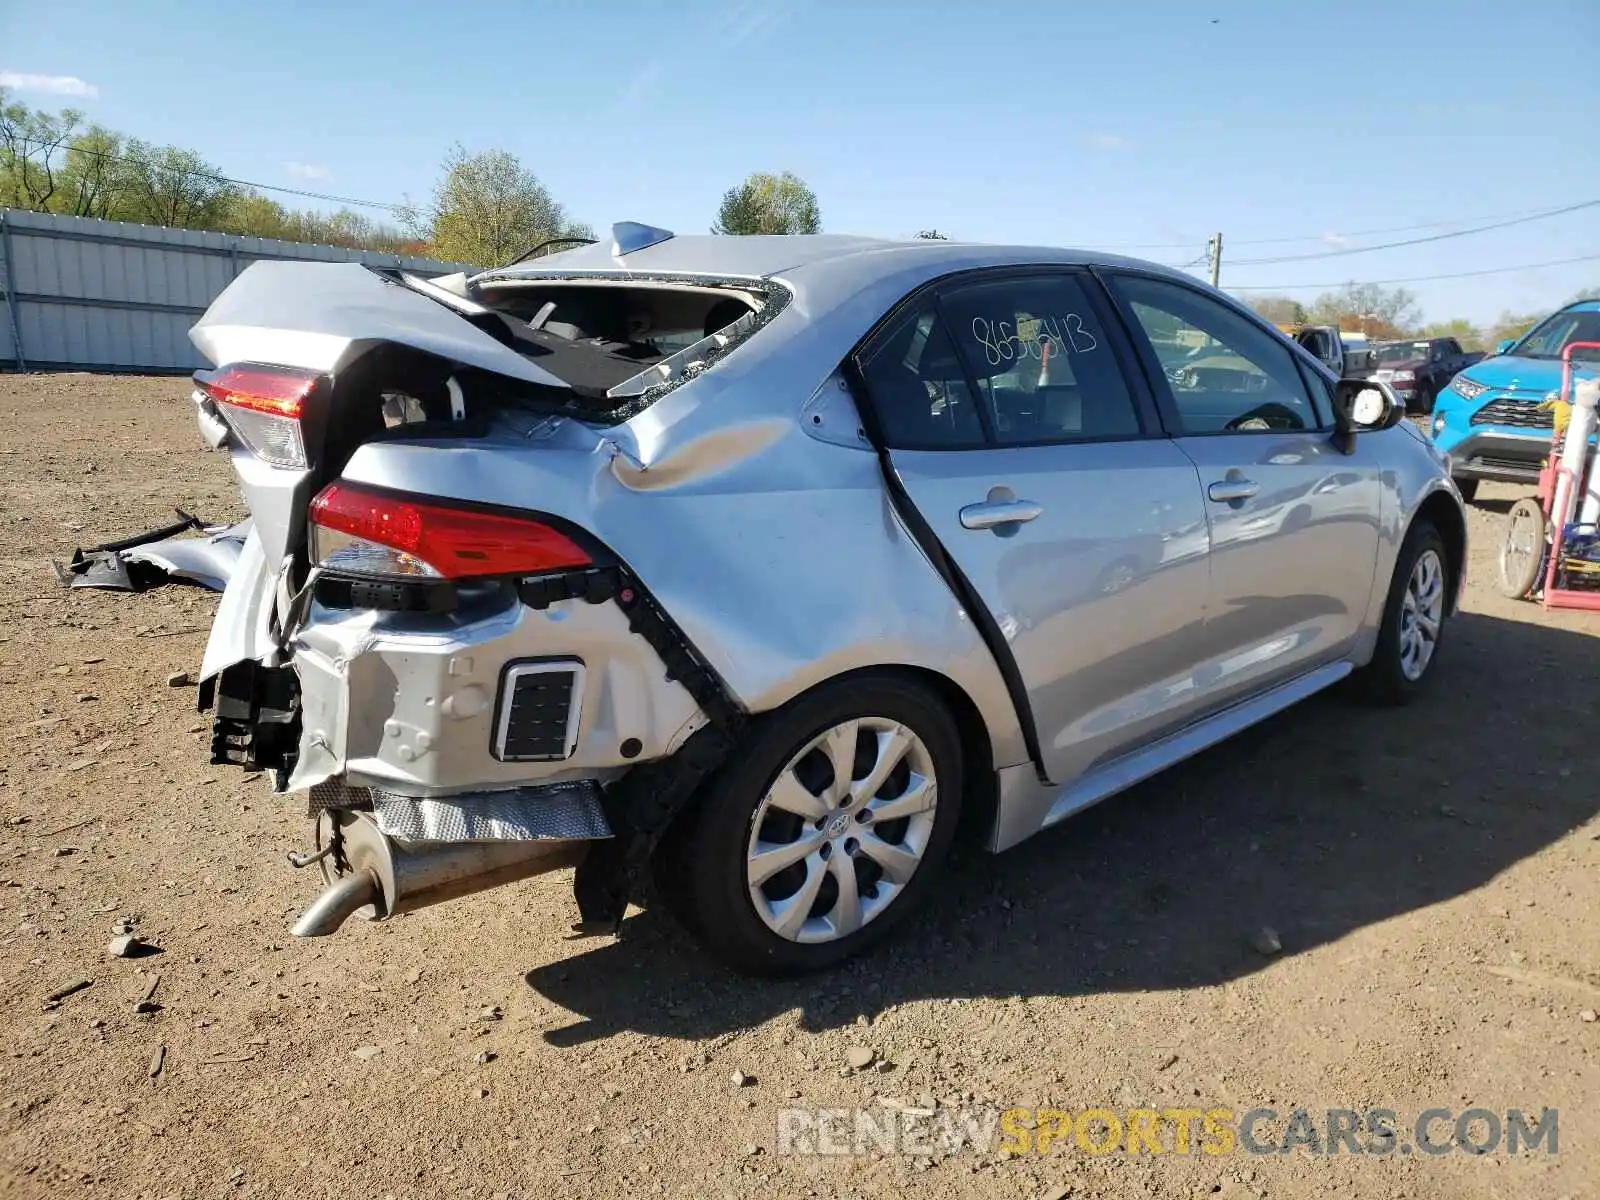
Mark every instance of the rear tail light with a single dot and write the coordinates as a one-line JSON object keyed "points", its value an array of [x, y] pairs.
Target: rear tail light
{"points": [[361, 531], [265, 406]]}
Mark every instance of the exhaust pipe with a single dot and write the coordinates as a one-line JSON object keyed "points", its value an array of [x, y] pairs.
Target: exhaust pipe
{"points": [[389, 876]]}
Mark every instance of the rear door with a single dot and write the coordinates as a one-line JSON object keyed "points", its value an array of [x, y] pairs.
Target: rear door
{"points": [[1020, 431], [1294, 520]]}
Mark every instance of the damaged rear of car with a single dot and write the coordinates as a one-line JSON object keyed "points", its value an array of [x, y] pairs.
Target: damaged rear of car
{"points": [[484, 616], [762, 561]]}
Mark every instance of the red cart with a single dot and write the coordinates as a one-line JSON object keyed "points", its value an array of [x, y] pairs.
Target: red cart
{"points": [[1545, 550]]}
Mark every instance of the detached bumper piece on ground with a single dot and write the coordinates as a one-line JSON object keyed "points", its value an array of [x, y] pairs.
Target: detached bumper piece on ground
{"points": [[150, 559]]}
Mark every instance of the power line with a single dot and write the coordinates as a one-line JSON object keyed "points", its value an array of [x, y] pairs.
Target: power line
{"points": [[1294, 287], [1438, 237], [1317, 237], [262, 187]]}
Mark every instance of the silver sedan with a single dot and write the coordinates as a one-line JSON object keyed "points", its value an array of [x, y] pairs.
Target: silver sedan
{"points": [[757, 561]]}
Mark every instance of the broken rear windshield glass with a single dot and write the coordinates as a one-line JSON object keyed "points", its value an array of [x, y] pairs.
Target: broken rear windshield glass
{"points": [[617, 343]]}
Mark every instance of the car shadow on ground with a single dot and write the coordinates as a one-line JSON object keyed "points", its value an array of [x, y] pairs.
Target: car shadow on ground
{"points": [[1325, 819]]}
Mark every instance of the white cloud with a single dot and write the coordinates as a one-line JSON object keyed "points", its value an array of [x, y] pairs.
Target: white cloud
{"points": [[1337, 240], [302, 170], [58, 85], [1107, 141]]}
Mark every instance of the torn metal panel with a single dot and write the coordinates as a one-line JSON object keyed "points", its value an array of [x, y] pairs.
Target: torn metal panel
{"points": [[309, 314]]}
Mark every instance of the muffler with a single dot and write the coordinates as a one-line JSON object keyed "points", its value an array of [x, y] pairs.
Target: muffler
{"points": [[380, 876]]}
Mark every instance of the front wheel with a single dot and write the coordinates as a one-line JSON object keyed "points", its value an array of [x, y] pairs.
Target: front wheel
{"points": [[823, 832], [1468, 489], [1413, 620]]}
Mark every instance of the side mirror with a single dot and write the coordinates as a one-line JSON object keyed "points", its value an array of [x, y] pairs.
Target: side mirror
{"points": [[1365, 406], [1505, 345]]}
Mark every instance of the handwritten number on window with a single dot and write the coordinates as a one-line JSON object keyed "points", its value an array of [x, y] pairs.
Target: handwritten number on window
{"points": [[1002, 345]]}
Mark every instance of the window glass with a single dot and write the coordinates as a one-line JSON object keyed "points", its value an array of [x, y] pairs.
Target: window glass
{"points": [[1553, 336], [1044, 368], [1224, 372], [918, 388]]}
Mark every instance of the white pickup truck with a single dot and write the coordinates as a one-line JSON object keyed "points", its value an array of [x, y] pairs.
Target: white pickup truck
{"points": [[1345, 353]]}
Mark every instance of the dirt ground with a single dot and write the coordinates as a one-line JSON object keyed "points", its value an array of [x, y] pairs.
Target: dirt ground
{"points": [[1432, 874]]}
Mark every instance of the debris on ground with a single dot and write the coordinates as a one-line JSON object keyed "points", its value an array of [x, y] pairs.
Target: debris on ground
{"points": [[128, 945], [146, 1001], [145, 560], [67, 989], [859, 1058], [1265, 941]]}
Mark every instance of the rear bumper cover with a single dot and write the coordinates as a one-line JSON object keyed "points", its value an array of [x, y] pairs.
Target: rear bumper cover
{"points": [[412, 703]]}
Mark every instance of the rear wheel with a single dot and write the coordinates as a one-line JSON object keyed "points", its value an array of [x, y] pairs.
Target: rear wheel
{"points": [[824, 831], [1522, 552], [1413, 620]]}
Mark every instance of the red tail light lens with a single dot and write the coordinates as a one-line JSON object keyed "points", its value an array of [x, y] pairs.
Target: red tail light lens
{"points": [[264, 406], [366, 532]]}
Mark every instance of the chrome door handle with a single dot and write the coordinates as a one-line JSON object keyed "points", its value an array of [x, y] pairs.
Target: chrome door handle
{"points": [[1227, 491], [999, 512]]}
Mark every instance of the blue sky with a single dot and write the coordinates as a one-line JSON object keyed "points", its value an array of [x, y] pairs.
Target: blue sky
{"points": [[1139, 125]]}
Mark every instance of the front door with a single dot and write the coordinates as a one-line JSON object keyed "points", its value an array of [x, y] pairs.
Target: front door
{"points": [[1294, 521], [1012, 425]]}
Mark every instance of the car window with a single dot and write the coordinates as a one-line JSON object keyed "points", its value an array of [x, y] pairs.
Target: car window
{"points": [[918, 386], [1555, 333], [1044, 367], [1242, 381]]}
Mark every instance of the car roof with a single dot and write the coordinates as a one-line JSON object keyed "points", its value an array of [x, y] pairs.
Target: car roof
{"points": [[761, 256], [1583, 306]]}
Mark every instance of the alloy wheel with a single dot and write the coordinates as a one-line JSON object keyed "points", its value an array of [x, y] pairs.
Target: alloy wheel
{"points": [[841, 830], [1421, 613]]}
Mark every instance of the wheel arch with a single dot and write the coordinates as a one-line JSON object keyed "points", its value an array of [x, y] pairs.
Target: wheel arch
{"points": [[980, 792], [1441, 510]]}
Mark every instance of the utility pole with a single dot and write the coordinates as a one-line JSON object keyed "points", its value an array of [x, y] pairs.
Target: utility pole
{"points": [[1214, 248]]}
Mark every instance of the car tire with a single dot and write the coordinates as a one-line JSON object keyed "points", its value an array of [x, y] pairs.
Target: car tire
{"points": [[1523, 549], [1468, 489], [707, 868], [1419, 592]]}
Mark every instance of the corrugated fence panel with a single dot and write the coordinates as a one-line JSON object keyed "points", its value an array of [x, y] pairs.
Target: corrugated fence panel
{"points": [[88, 295]]}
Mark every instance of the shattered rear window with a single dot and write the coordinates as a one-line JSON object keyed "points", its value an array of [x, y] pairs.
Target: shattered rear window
{"points": [[620, 342]]}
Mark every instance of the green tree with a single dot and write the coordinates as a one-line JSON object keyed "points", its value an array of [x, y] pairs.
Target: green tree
{"points": [[167, 185], [1592, 293], [90, 184], [33, 146], [487, 210], [933, 235], [1510, 325], [1463, 330], [1379, 311], [769, 204], [1280, 310]]}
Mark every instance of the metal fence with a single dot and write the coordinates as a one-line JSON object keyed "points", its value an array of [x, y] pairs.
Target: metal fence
{"points": [[88, 295]]}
